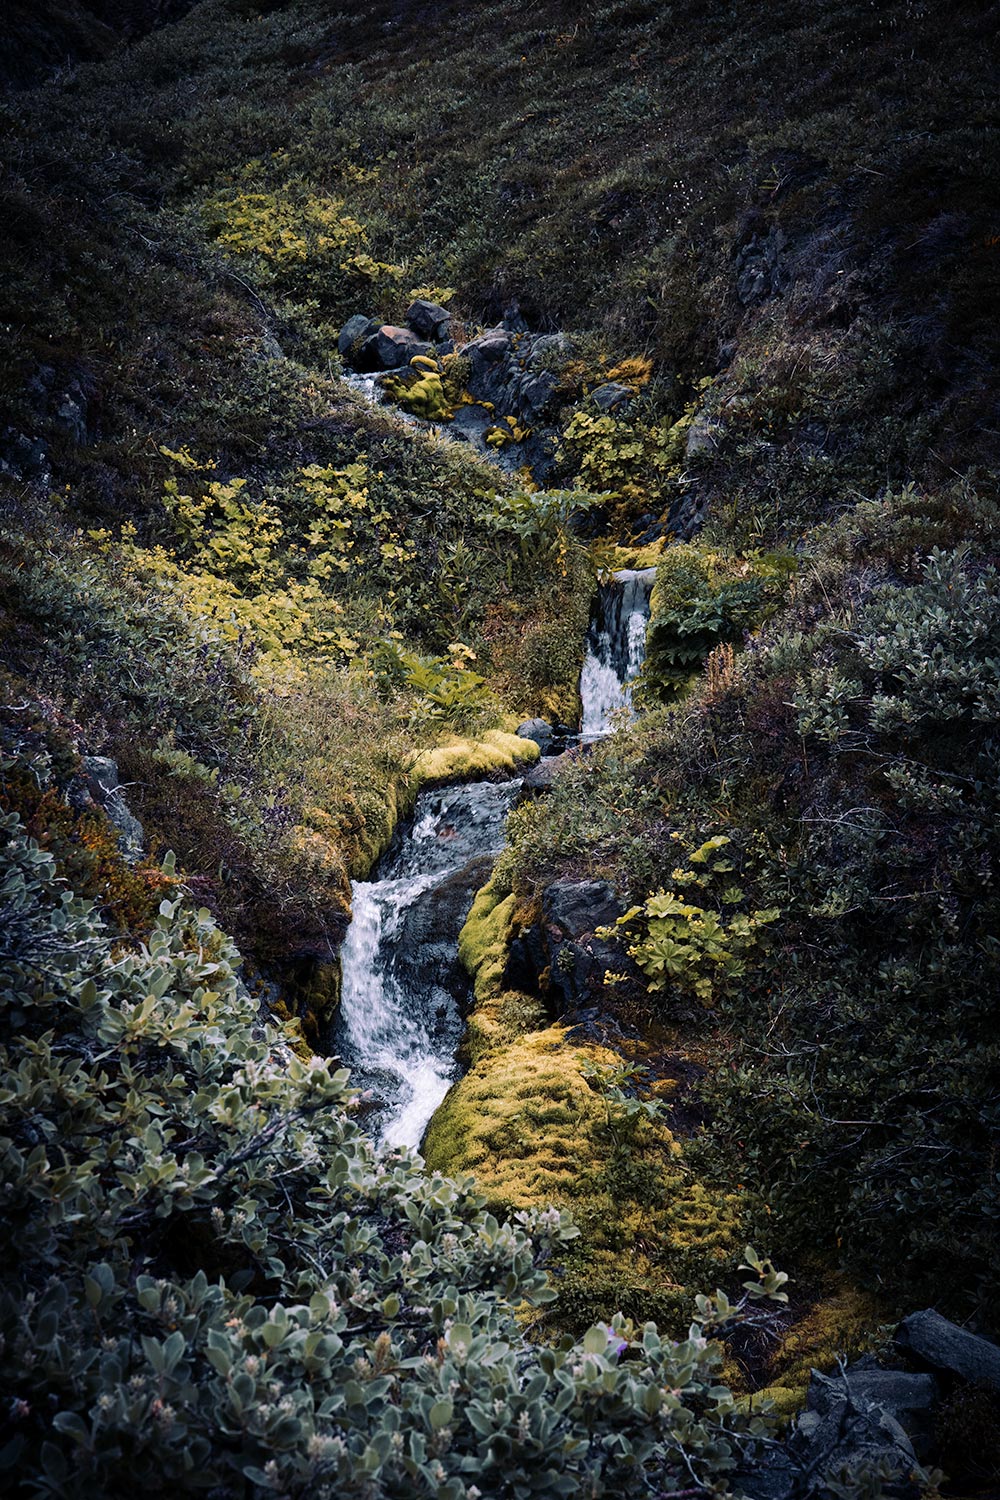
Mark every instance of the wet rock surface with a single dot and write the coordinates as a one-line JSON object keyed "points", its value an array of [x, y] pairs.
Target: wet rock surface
{"points": [[560, 956], [869, 1421]]}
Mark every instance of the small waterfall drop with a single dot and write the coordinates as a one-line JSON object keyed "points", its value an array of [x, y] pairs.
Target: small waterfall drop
{"points": [[615, 649], [403, 991]]}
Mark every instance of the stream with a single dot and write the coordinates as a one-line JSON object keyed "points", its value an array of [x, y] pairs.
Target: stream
{"points": [[615, 651], [404, 993]]}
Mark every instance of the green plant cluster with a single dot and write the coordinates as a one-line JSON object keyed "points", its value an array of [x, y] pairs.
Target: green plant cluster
{"points": [[686, 949], [703, 599], [214, 1284]]}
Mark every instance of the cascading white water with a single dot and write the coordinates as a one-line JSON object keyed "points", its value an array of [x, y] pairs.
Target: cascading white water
{"points": [[400, 1018], [615, 650]]}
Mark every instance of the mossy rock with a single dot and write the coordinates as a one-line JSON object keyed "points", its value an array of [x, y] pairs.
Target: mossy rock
{"points": [[461, 759], [525, 1121]]}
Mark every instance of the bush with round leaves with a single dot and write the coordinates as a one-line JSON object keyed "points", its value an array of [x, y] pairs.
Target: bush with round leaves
{"points": [[215, 1284]]}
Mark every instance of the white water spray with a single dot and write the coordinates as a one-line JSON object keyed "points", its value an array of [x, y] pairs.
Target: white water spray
{"points": [[615, 650]]}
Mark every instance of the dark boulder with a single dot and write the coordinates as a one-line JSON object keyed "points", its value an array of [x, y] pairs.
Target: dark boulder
{"points": [[611, 396], [389, 348], [428, 319], [539, 730], [397, 346], [561, 956], [355, 331], [427, 955], [932, 1340], [543, 775]]}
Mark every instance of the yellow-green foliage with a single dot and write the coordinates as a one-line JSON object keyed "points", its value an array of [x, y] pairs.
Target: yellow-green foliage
{"points": [[422, 393], [629, 455], [459, 759], [298, 241], [482, 943], [693, 949], [500, 1016], [782, 1400]]}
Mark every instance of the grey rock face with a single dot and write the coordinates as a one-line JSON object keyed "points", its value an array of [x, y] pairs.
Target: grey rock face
{"points": [[943, 1345], [611, 396], [428, 319], [539, 730], [560, 955], [102, 775], [355, 330], [397, 346]]}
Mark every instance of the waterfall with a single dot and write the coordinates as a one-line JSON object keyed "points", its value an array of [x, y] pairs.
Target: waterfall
{"points": [[615, 649], [403, 992]]}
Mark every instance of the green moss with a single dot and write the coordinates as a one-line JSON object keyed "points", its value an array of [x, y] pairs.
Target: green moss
{"points": [[843, 1325], [784, 1401], [462, 759]]}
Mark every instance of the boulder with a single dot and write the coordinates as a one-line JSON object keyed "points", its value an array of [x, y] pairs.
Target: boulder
{"points": [[488, 349], [560, 956], [549, 346], [355, 331], [704, 435], [611, 396], [471, 423], [907, 1398], [933, 1341], [102, 783], [543, 776], [428, 319], [395, 347], [578, 907], [388, 348], [539, 730], [427, 956]]}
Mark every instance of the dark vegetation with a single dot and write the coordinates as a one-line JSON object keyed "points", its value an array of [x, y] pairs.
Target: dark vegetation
{"points": [[262, 596]]}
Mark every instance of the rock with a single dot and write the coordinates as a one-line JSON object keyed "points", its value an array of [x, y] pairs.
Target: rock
{"points": [[934, 1341], [560, 956], [908, 1399], [548, 346], [102, 777], [471, 423], [488, 348], [539, 730], [397, 346], [428, 319], [578, 907], [611, 396], [355, 331], [427, 955], [541, 777], [536, 394], [388, 348], [760, 269], [704, 435]]}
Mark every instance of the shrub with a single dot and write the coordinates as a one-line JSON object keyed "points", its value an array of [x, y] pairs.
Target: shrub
{"points": [[215, 1283]]}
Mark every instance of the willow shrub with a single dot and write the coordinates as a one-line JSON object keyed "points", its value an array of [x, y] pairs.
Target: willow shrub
{"points": [[215, 1283]]}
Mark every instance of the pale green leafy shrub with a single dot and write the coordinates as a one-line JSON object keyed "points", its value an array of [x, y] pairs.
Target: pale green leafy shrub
{"points": [[214, 1283]]}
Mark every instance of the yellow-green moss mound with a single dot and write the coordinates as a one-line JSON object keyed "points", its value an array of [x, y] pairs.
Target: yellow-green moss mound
{"points": [[460, 759], [524, 1121]]}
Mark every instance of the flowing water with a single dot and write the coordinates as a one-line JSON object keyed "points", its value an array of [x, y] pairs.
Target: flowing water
{"points": [[615, 650], [404, 992]]}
